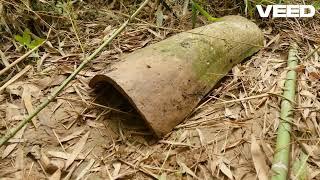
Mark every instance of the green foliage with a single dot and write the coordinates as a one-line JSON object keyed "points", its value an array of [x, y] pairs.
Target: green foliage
{"points": [[56, 7], [46, 6], [317, 5], [65, 8], [26, 40], [249, 9]]}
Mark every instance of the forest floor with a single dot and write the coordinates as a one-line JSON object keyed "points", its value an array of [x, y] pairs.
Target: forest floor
{"points": [[230, 134]]}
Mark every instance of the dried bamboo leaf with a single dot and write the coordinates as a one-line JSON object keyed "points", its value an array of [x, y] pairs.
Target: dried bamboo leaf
{"points": [[77, 149], [259, 160]]}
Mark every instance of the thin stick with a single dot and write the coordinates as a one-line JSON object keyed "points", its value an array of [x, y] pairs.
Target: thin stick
{"points": [[177, 143], [75, 32], [98, 105], [246, 98], [311, 53], [19, 59], [140, 169], [280, 164], [13, 131], [192, 123], [56, 135], [108, 172], [14, 78]]}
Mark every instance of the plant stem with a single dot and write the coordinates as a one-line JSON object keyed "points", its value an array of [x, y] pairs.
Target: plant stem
{"points": [[194, 16], [11, 132], [203, 12], [20, 59], [281, 158]]}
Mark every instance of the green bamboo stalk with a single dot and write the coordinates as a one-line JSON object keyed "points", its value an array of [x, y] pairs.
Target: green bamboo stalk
{"points": [[11, 132], [194, 16], [203, 12], [281, 158]]}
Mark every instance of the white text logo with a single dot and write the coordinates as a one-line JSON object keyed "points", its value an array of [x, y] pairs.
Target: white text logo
{"points": [[287, 11]]}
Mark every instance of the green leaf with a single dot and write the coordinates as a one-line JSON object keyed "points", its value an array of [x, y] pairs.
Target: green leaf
{"points": [[35, 43], [26, 39], [19, 39], [27, 36]]}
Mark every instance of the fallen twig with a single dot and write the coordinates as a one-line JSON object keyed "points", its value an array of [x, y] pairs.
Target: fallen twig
{"points": [[14, 78], [280, 164], [19, 59], [177, 143], [142, 169], [13, 131], [192, 123], [311, 53], [247, 98], [99, 105]]}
